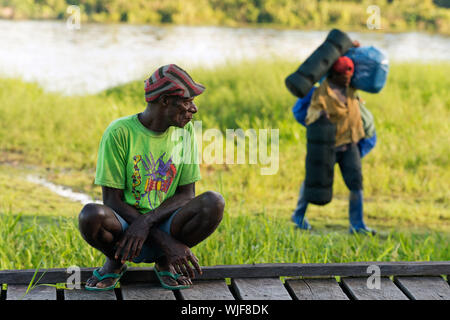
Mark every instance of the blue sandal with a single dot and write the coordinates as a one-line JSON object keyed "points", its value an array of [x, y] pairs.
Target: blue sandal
{"points": [[106, 276]]}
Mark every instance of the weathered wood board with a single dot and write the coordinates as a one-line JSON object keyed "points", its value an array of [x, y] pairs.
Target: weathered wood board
{"points": [[260, 289], [316, 289], [207, 290], [83, 294], [359, 289], [142, 291], [424, 288], [18, 292]]}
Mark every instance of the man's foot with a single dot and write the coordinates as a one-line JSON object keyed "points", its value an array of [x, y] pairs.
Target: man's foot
{"points": [[110, 266], [162, 265], [301, 223]]}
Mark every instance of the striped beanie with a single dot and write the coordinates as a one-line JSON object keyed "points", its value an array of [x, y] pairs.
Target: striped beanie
{"points": [[171, 80]]}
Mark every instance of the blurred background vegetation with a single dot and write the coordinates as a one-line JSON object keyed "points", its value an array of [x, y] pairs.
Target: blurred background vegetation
{"points": [[405, 15]]}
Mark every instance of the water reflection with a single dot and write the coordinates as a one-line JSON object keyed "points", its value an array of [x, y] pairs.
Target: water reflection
{"points": [[100, 56]]}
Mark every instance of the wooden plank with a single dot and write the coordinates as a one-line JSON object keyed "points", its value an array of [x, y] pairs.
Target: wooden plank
{"points": [[58, 275], [358, 289], [260, 289], [424, 288], [316, 289], [17, 292], [207, 290], [83, 294], [145, 291], [139, 274], [324, 269]]}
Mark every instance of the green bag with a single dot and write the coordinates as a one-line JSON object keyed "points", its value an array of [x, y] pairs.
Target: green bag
{"points": [[367, 119]]}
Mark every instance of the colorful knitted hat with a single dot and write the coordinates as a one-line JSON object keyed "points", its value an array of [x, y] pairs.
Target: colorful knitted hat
{"points": [[171, 80]]}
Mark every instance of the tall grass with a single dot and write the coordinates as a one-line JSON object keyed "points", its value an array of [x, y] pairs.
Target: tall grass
{"points": [[239, 240]]}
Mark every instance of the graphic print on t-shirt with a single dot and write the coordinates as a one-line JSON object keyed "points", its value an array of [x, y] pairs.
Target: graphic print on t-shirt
{"points": [[158, 177]]}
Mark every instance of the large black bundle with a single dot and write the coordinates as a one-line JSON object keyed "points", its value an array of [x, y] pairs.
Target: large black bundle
{"points": [[320, 160], [318, 63]]}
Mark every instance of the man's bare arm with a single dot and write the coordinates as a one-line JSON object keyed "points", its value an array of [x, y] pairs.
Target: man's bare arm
{"points": [[182, 196], [114, 199]]}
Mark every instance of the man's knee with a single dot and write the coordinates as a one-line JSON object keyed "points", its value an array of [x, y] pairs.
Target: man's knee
{"points": [[91, 219], [91, 213], [213, 205], [98, 227]]}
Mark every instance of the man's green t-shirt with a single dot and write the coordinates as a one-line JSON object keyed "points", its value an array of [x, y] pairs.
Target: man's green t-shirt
{"points": [[148, 166]]}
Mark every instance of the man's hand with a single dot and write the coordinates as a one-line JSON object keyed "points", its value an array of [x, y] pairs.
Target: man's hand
{"points": [[178, 257], [356, 43], [130, 245]]}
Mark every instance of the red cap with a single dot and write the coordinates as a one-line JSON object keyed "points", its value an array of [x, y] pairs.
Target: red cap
{"points": [[344, 65]]}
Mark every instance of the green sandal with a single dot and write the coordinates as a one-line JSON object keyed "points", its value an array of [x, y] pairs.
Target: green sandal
{"points": [[161, 274], [106, 276]]}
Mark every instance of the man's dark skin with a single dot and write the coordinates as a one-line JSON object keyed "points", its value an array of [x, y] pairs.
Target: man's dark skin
{"points": [[339, 82], [198, 217]]}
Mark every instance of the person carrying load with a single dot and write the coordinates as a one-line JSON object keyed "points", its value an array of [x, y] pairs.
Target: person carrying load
{"points": [[336, 101]]}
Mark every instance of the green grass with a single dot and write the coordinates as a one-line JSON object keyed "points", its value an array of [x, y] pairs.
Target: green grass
{"points": [[406, 177], [58, 243]]}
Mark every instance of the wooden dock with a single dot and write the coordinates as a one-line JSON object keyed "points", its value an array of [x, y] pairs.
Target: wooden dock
{"points": [[285, 281]]}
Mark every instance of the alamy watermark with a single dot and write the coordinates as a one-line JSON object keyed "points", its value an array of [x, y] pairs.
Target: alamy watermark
{"points": [[74, 20], [235, 146], [74, 280], [374, 280], [374, 20]]}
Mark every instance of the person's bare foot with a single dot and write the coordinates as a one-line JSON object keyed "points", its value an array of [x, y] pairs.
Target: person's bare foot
{"points": [[162, 265], [110, 266]]}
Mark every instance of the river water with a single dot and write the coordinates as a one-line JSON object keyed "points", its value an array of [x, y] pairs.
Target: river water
{"points": [[100, 56]]}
